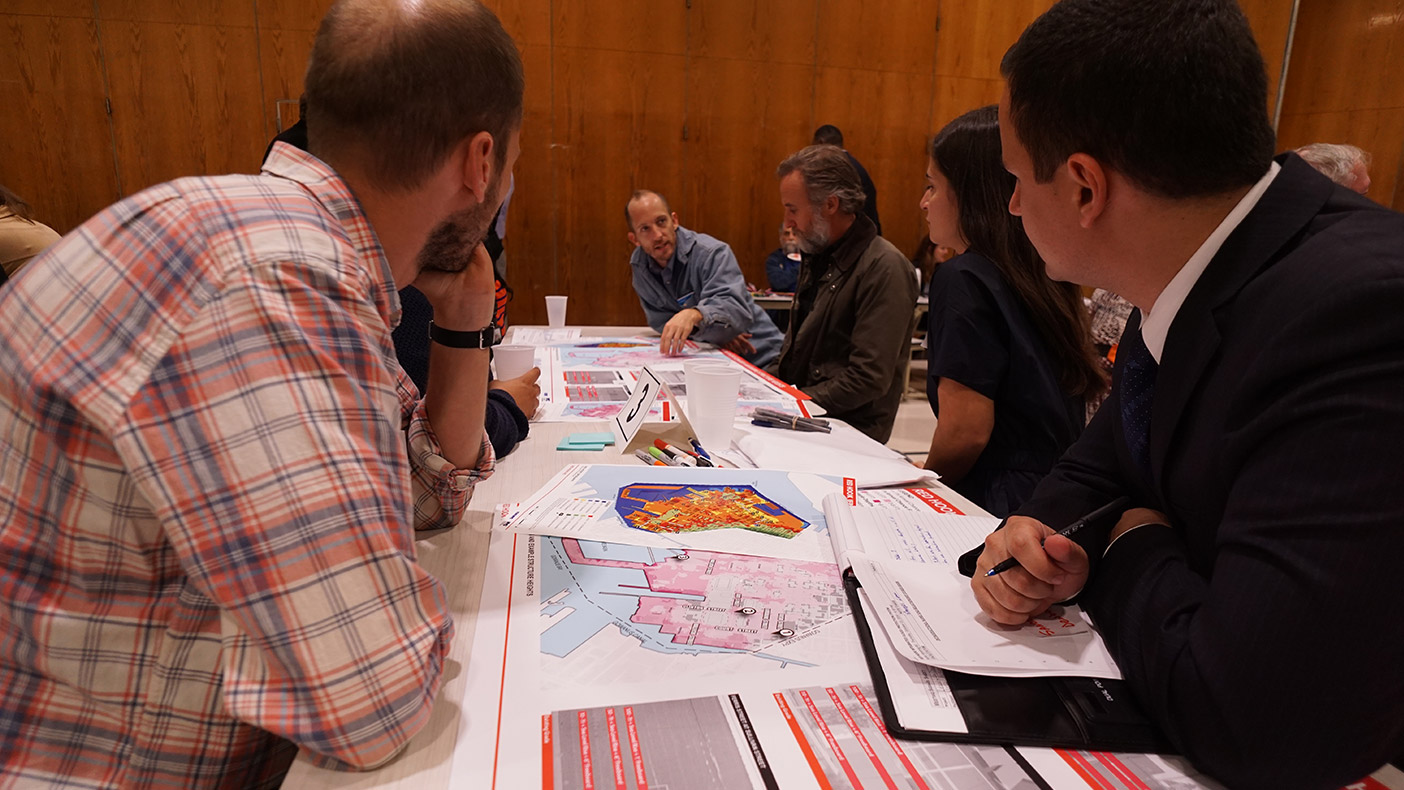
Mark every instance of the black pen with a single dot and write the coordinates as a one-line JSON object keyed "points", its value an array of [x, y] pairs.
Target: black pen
{"points": [[1068, 531]]}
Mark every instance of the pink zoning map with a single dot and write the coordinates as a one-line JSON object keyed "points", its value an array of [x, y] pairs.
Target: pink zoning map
{"points": [[698, 600]]}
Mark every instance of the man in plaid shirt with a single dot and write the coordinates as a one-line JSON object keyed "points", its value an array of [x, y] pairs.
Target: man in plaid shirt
{"points": [[211, 466]]}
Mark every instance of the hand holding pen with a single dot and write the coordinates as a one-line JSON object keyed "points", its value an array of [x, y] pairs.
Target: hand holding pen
{"points": [[1047, 570]]}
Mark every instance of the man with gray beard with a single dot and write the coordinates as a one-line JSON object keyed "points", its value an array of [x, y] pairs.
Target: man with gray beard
{"points": [[851, 325]]}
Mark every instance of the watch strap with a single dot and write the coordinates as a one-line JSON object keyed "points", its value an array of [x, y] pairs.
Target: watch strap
{"points": [[454, 338]]}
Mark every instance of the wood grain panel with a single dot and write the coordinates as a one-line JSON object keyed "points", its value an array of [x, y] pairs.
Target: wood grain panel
{"points": [[291, 14], [769, 31], [55, 147], [1348, 54], [531, 217], [641, 27], [898, 35], [528, 22], [236, 13], [956, 95], [185, 100], [1271, 21], [76, 9], [885, 130], [617, 128], [283, 57], [1379, 131], [743, 118], [975, 35]]}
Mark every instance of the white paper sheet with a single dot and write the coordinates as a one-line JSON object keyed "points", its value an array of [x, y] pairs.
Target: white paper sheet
{"points": [[931, 616]]}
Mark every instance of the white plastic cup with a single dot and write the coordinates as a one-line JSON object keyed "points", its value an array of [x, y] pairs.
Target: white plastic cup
{"points": [[513, 361], [555, 311], [712, 391]]}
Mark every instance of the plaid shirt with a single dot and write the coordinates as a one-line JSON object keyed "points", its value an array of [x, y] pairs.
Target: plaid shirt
{"points": [[211, 468]]}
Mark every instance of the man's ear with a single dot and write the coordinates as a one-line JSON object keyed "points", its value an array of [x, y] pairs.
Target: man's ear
{"points": [[478, 164], [634, 240], [674, 215], [831, 205], [1089, 187]]}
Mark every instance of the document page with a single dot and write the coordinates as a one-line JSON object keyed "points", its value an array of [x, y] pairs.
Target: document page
{"points": [[931, 616], [904, 525]]}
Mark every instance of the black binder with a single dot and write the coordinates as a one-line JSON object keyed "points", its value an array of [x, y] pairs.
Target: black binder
{"points": [[1067, 712]]}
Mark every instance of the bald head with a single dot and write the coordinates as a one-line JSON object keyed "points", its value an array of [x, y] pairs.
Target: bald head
{"points": [[393, 85]]}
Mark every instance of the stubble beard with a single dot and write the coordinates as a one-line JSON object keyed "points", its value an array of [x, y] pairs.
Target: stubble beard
{"points": [[451, 243]]}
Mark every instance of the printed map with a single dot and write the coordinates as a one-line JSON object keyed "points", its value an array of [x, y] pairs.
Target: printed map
{"points": [[689, 603], [623, 354], [671, 508]]}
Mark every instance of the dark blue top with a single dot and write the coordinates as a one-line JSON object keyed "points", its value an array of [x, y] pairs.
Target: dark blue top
{"points": [[504, 421], [781, 271], [981, 336]]}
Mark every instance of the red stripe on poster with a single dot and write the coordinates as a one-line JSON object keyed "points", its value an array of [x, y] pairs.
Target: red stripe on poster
{"points": [[935, 502], [616, 757], [833, 743], [635, 751], [862, 740], [891, 742], [502, 685], [1082, 768], [1116, 766], [548, 758], [798, 732]]}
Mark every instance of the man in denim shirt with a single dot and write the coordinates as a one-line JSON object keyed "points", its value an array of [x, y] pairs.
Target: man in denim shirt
{"points": [[690, 286]]}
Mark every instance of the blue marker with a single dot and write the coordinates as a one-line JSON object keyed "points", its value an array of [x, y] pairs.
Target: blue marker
{"points": [[699, 449], [685, 298]]}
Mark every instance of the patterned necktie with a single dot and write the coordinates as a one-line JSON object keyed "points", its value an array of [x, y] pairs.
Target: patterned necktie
{"points": [[1137, 393]]}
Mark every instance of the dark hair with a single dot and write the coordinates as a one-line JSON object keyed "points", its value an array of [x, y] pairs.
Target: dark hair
{"points": [[400, 86], [828, 134], [1170, 93], [15, 204], [640, 194], [967, 152], [827, 171]]}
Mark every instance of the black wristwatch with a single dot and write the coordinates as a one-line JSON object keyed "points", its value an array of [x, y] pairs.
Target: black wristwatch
{"points": [[456, 339]]}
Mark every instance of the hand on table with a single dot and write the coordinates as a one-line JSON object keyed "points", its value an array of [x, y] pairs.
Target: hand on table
{"points": [[678, 329], [1051, 572], [741, 344], [525, 392]]}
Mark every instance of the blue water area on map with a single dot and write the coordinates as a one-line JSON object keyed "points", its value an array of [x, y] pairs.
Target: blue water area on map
{"points": [[600, 597]]}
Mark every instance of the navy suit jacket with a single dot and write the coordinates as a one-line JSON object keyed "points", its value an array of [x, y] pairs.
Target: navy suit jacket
{"points": [[1263, 630]]}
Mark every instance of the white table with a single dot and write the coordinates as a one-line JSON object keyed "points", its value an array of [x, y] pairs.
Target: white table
{"points": [[458, 558]]}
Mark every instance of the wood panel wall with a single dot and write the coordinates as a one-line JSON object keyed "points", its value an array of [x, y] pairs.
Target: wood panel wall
{"points": [[1344, 85], [697, 99]]}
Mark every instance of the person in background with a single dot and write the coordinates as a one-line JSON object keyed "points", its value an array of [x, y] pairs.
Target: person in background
{"points": [[828, 134], [1249, 589], [690, 285], [1345, 164], [783, 264], [782, 272], [1009, 362], [851, 326], [21, 237], [1109, 314], [214, 467]]}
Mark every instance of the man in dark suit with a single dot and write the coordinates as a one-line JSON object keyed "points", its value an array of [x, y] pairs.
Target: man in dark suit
{"points": [[1250, 591]]}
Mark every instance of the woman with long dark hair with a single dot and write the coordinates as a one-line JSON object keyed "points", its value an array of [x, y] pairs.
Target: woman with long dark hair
{"points": [[1010, 360]]}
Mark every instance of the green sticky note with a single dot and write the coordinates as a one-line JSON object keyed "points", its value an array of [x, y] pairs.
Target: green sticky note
{"points": [[570, 443]]}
